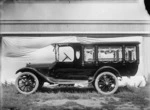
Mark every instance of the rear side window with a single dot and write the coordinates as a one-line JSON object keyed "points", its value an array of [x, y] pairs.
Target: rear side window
{"points": [[130, 53], [108, 53], [89, 54]]}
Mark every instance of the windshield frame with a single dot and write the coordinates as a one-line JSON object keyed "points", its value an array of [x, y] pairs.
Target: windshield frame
{"points": [[56, 51]]}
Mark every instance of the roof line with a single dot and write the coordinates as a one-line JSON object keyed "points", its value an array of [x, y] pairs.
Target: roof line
{"points": [[74, 21], [74, 33], [111, 42]]}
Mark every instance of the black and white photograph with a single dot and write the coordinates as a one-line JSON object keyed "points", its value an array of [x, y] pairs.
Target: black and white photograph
{"points": [[74, 55]]}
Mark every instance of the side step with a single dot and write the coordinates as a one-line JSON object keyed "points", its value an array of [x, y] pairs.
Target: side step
{"points": [[64, 81]]}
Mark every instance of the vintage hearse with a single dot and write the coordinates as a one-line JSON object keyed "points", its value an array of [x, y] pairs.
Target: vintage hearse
{"points": [[99, 63]]}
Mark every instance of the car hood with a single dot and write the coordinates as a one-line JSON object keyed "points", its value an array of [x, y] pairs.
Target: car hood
{"points": [[41, 65]]}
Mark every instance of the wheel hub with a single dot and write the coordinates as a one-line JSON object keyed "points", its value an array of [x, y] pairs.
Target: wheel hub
{"points": [[26, 83], [107, 83]]}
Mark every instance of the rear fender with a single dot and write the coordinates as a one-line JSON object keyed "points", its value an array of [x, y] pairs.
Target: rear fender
{"points": [[34, 71], [109, 69]]}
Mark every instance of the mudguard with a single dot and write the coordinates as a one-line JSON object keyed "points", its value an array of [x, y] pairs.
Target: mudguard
{"points": [[107, 68], [34, 71]]}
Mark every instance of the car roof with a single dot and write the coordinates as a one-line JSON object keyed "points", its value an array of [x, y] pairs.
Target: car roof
{"points": [[97, 43]]}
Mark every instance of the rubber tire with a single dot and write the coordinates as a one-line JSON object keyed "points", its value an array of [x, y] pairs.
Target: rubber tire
{"points": [[97, 80], [36, 81]]}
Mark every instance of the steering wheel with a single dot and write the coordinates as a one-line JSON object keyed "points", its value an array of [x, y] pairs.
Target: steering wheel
{"points": [[67, 57]]}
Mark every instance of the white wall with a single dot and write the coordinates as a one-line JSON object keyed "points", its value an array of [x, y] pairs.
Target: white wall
{"points": [[78, 10], [75, 11], [146, 57]]}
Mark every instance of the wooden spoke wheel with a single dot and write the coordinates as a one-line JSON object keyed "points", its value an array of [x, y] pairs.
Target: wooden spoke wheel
{"points": [[27, 83], [106, 83]]}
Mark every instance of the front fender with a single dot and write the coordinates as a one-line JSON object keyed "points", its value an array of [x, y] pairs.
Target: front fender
{"points": [[34, 71], [26, 69]]}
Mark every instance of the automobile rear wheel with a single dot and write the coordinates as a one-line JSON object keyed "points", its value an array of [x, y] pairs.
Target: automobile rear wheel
{"points": [[27, 83], [106, 83]]}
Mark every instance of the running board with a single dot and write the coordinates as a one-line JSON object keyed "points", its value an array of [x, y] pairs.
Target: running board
{"points": [[64, 81]]}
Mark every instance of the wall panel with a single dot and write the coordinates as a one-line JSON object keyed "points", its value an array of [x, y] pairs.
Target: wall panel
{"points": [[146, 57], [74, 26]]}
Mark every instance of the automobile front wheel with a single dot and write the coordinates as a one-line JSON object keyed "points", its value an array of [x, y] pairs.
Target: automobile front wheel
{"points": [[106, 83], [27, 83]]}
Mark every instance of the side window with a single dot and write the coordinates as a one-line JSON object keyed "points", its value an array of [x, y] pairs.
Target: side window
{"points": [[130, 53], [89, 54], [66, 54], [106, 53]]}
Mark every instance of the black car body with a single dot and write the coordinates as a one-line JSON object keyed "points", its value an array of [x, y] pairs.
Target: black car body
{"points": [[86, 61]]}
